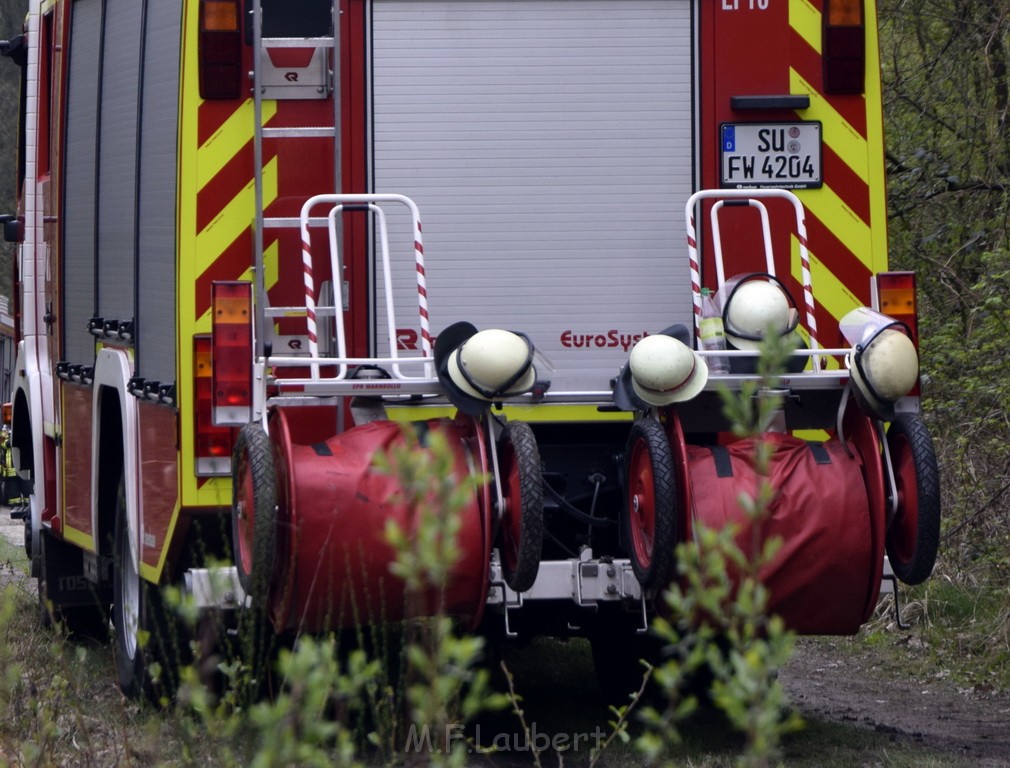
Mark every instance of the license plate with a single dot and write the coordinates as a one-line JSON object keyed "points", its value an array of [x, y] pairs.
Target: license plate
{"points": [[770, 155]]}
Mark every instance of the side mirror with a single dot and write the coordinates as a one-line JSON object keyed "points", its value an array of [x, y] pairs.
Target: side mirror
{"points": [[15, 49], [13, 231]]}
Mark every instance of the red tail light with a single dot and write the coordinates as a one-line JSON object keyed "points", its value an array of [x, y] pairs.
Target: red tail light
{"points": [[844, 48], [231, 311], [896, 297], [213, 444], [221, 75]]}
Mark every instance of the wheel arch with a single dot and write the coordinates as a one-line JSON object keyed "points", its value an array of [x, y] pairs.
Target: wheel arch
{"points": [[114, 451], [27, 437]]}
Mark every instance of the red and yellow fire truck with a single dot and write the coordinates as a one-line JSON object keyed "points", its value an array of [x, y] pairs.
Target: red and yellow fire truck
{"points": [[255, 237]]}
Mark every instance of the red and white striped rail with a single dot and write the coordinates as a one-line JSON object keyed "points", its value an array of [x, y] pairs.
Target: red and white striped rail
{"points": [[749, 197]]}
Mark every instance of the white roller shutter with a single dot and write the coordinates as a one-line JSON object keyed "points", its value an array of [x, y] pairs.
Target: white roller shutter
{"points": [[81, 162], [548, 146]]}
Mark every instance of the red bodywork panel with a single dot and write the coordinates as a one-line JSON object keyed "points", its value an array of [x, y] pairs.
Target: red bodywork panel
{"points": [[731, 65], [77, 406], [159, 477]]}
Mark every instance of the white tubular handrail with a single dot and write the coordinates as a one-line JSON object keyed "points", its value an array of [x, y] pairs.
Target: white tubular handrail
{"points": [[750, 197], [338, 204]]}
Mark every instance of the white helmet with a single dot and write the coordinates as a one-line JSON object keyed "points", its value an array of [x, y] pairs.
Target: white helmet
{"points": [[754, 305], [665, 370], [883, 370], [493, 363], [477, 368]]}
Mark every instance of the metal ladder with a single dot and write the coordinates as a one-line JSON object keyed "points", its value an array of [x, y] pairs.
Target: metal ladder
{"points": [[323, 210], [326, 65]]}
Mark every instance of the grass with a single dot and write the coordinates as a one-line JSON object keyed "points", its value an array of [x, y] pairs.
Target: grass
{"points": [[61, 698], [59, 705], [959, 629]]}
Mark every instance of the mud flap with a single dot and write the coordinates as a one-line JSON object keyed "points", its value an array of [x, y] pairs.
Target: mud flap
{"points": [[67, 584], [821, 579]]}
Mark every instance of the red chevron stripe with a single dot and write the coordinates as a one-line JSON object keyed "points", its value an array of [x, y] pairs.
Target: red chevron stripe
{"points": [[844, 264], [230, 265], [224, 187], [211, 116], [846, 184], [809, 64]]}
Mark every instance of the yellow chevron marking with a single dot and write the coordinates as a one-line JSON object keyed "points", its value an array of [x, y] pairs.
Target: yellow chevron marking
{"points": [[224, 144], [851, 230], [829, 292], [875, 140], [863, 155], [81, 539], [806, 21], [271, 266], [233, 219], [838, 134]]}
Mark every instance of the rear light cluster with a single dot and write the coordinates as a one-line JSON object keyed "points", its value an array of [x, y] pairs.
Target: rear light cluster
{"points": [[221, 72], [844, 49], [896, 297], [231, 313], [213, 443]]}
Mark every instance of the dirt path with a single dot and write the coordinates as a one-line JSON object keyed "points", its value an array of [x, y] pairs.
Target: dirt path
{"points": [[14, 532], [841, 681]]}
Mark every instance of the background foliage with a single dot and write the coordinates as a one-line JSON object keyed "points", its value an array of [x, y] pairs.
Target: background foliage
{"points": [[947, 112], [12, 14]]}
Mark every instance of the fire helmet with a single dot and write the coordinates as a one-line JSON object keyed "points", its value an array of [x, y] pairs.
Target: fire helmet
{"points": [[754, 305], [477, 368], [883, 370], [665, 370]]}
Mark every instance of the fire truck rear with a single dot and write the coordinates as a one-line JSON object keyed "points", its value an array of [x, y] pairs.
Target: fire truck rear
{"points": [[256, 239]]}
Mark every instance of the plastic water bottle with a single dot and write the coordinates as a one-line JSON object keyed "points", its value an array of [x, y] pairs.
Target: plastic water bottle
{"points": [[712, 334]]}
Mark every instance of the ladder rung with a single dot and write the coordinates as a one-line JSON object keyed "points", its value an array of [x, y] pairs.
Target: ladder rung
{"points": [[288, 222], [307, 132], [297, 42], [321, 311]]}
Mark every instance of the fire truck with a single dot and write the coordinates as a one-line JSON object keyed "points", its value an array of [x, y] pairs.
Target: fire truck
{"points": [[261, 241]]}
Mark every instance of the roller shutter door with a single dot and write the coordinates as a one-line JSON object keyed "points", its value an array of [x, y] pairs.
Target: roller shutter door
{"points": [[548, 146], [81, 164], [117, 166]]}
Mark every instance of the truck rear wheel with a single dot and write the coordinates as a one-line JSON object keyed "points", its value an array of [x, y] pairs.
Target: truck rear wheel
{"points": [[254, 511], [146, 650], [523, 517], [650, 503], [914, 535]]}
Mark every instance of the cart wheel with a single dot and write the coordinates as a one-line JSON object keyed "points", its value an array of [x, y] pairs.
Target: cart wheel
{"points": [[650, 507], [914, 534], [523, 517], [254, 510]]}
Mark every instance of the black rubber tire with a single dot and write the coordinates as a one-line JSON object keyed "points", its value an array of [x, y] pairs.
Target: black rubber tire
{"points": [[913, 537], [147, 644], [254, 511], [522, 528], [650, 504]]}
